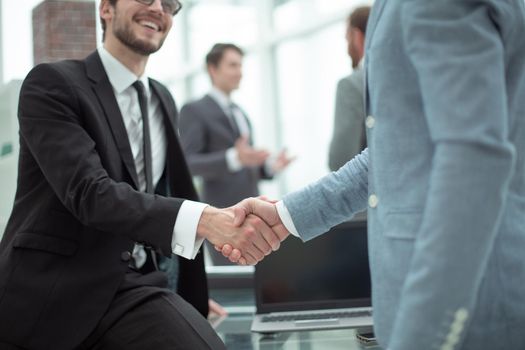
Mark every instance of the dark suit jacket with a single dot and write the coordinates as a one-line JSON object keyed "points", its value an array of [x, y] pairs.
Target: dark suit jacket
{"points": [[206, 133], [77, 211]]}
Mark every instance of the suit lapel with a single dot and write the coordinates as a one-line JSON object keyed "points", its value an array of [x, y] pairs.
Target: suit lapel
{"points": [[375, 15], [177, 174], [164, 103], [223, 118], [106, 96]]}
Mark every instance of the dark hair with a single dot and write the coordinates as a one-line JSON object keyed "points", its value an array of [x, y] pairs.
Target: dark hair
{"points": [[214, 57], [103, 22], [359, 18]]}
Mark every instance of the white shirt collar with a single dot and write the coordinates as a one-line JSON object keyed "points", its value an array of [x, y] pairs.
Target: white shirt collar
{"points": [[220, 97], [119, 75]]}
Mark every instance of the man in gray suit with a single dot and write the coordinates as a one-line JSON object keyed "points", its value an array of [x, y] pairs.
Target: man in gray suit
{"points": [[348, 138], [443, 176], [217, 138]]}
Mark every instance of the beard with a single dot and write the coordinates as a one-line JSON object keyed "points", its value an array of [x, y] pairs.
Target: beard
{"points": [[125, 34], [354, 55]]}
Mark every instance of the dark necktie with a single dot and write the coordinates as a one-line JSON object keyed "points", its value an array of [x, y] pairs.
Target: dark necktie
{"points": [[233, 121], [146, 150]]}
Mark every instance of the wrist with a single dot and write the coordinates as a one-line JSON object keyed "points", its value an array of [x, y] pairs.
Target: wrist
{"points": [[233, 159], [211, 219], [204, 225]]}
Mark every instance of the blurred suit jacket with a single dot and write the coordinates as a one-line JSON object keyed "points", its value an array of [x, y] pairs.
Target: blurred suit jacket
{"points": [[348, 136], [206, 133], [77, 210]]}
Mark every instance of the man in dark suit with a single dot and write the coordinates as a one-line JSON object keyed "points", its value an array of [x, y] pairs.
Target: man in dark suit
{"points": [[217, 138], [103, 188]]}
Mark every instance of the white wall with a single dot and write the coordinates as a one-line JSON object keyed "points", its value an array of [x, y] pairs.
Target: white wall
{"points": [[8, 134], [7, 187], [17, 38], [1, 48]]}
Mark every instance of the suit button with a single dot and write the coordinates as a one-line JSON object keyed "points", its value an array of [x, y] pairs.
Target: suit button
{"points": [[125, 256], [370, 122], [461, 315], [373, 201]]}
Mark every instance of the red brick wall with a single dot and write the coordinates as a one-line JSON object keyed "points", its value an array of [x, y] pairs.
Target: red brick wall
{"points": [[63, 29]]}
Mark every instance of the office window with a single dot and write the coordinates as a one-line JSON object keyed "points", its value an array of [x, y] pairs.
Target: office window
{"points": [[209, 23], [309, 68], [293, 15]]}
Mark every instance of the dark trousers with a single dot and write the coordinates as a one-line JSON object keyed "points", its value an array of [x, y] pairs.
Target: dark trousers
{"points": [[5, 346], [144, 315]]}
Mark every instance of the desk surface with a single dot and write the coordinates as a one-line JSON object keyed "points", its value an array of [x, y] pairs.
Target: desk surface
{"points": [[235, 332]]}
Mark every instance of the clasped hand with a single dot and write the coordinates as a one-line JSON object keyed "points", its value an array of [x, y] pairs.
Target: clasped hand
{"points": [[246, 232]]}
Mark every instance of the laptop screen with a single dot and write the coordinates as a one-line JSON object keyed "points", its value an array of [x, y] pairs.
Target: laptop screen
{"points": [[330, 271]]}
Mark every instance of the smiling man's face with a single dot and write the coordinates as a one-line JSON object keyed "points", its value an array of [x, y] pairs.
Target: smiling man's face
{"points": [[139, 27]]}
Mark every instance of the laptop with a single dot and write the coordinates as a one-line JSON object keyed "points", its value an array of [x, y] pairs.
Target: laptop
{"points": [[321, 284]]}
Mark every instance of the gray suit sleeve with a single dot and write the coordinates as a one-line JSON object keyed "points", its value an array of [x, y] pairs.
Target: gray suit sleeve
{"points": [[348, 121], [193, 136], [331, 200], [457, 52]]}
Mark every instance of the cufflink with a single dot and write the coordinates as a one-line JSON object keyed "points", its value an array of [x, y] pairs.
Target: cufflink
{"points": [[178, 249]]}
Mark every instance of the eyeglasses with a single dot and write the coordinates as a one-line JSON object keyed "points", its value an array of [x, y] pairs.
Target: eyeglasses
{"points": [[171, 7]]}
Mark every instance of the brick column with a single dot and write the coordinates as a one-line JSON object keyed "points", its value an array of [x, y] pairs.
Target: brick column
{"points": [[63, 29]]}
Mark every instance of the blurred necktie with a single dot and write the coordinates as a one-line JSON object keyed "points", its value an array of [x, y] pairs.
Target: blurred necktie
{"points": [[233, 121]]}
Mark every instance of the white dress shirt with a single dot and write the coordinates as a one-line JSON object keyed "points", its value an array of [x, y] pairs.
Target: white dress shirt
{"points": [[232, 156], [286, 218], [184, 240]]}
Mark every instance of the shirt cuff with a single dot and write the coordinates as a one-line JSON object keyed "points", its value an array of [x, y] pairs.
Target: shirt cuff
{"points": [[268, 166], [184, 241], [286, 218], [232, 160]]}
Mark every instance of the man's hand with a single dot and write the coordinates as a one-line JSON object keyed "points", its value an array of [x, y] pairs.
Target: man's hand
{"points": [[253, 238], [262, 208], [249, 156], [281, 162], [216, 309]]}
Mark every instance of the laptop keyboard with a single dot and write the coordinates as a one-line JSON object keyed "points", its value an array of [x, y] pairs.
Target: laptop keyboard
{"points": [[317, 316]]}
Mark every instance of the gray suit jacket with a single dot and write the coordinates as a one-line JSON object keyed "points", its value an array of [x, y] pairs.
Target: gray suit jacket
{"points": [[206, 134], [443, 175], [348, 137]]}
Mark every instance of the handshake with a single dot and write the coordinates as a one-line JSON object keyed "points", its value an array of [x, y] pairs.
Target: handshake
{"points": [[246, 232]]}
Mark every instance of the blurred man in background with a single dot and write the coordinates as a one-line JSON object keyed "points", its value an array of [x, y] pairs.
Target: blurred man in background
{"points": [[217, 136], [349, 138]]}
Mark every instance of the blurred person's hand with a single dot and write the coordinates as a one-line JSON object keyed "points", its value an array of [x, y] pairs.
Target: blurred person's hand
{"points": [[216, 309], [281, 162], [249, 156]]}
